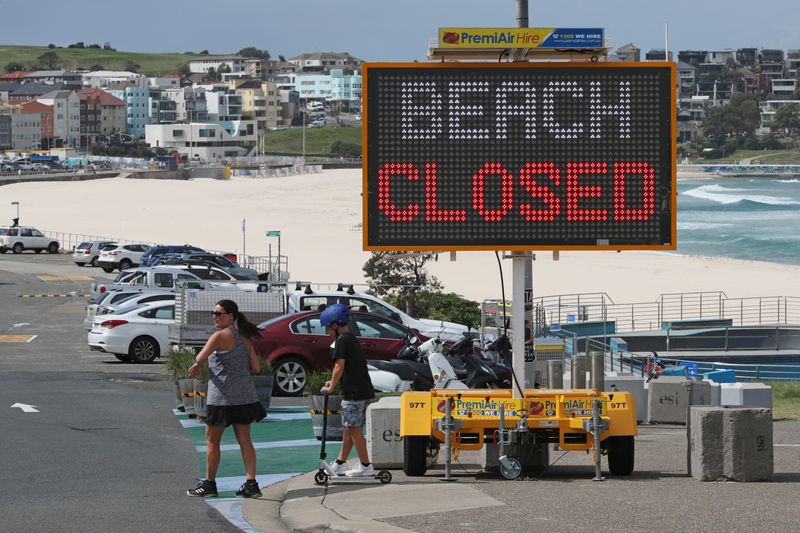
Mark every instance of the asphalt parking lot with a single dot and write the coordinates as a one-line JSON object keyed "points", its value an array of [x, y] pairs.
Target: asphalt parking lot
{"points": [[107, 434], [102, 450]]}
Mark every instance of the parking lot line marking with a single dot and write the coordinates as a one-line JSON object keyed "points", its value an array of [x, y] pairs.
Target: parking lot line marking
{"points": [[17, 338], [64, 278], [69, 295]]}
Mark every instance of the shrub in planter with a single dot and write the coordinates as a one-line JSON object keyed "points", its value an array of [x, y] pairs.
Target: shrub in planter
{"points": [[176, 365], [263, 382]]}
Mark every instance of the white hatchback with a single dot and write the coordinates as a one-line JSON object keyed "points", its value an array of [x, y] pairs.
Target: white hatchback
{"points": [[89, 252], [136, 334]]}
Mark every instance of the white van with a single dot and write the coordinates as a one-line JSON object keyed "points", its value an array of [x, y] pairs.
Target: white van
{"points": [[308, 300]]}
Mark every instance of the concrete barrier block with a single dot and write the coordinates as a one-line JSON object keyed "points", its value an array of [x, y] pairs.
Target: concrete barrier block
{"points": [[669, 398], [384, 443], [748, 443], [746, 394], [706, 450], [629, 383]]}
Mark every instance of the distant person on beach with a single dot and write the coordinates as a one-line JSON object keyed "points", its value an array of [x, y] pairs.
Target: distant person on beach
{"points": [[232, 398], [351, 369]]}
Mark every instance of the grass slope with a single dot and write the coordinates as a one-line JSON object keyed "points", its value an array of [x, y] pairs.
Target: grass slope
{"points": [[785, 400], [318, 140], [152, 64]]}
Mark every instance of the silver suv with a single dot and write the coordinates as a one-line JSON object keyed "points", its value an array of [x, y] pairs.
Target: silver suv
{"points": [[20, 238]]}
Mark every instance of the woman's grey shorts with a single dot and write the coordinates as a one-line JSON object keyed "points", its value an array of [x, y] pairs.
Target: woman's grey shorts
{"points": [[353, 412]]}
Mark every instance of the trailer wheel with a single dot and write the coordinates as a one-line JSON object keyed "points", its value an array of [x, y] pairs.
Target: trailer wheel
{"points": [[620, 455], [512, 469], [415, 455]]}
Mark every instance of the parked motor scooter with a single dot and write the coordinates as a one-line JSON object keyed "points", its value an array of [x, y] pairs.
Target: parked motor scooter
{"points": [[433, 365]]}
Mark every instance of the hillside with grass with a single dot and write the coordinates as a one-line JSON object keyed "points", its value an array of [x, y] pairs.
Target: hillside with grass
{"points": [[151, 64], [318, 140]]}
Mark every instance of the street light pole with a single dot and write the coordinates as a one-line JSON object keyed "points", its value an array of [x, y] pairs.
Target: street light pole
{"points": [[302, 112], [16, 204]]}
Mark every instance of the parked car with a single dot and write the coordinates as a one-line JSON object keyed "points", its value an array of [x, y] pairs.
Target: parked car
{"points": [[40, 167], [122, 256], [89, 252], [114, 302], [136, 334], [20, 238], [233, 267], [297, 344], [307, 299], [156, 251]]}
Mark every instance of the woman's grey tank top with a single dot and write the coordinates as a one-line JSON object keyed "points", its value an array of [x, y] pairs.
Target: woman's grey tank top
{"points": [[229, 381]]}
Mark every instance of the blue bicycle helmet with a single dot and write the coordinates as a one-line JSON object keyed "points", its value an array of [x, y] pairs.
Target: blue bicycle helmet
{"points": [[338, 313]]}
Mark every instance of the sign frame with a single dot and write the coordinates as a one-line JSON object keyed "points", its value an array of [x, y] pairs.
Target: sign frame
{"points": [[672, 245]]}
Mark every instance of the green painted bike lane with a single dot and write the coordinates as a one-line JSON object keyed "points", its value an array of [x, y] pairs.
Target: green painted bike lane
{"points": [[285, 447]]}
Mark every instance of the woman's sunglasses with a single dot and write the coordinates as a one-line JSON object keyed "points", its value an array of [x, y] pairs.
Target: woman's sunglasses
{"points": [[218, 313]]}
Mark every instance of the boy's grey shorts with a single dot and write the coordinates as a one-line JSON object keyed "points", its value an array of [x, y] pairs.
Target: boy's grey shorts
{"points": [[354, 412]]}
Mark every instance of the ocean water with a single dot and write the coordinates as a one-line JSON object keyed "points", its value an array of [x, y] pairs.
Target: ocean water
{"points": [[754, 218]]}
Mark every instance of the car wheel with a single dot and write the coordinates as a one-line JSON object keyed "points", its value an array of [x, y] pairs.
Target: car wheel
{"points": [[17, 248], [143, 350], [3, 250], [108, 270], [291, 376], [93, 262], [52, 248], [125, 358], [125, 264]]}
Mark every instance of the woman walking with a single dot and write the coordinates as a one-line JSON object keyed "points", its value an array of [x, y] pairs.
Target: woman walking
{"points": [[232, 398]]}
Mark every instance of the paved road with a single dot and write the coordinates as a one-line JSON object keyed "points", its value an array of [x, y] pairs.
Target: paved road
{"points": [[104, 453]]}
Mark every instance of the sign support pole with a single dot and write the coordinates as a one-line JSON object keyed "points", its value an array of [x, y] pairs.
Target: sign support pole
{"points": [[521, 262]]}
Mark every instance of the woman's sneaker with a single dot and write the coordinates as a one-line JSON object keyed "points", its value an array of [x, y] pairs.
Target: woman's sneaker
{"points": [[204, 488], [249, 490], [361, 471]]}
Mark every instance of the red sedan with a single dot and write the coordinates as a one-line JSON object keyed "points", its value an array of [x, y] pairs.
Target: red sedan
{"points": [[297, 344]]}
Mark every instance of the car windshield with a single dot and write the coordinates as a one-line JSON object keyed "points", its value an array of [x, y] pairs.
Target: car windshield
{"points": [[109, 247], [83, 246]]}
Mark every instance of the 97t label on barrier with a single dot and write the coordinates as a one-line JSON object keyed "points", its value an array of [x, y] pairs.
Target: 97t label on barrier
{"points": [[525, 156]]}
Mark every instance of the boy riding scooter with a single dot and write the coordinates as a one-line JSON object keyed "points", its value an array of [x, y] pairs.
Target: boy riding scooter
{"points": [[357, 392]]}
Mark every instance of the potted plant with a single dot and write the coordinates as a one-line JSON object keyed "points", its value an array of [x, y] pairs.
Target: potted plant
{"points": [[315, 382], [263, 383], [176, 365]]}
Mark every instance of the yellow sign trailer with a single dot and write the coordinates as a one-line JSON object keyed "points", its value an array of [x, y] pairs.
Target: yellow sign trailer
{"points": [[552, 416]]}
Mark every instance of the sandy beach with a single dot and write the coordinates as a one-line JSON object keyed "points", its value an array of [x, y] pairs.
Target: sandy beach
{"points": [[319, 217]]}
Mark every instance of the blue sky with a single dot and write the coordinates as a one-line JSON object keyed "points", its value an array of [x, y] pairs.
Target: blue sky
{"points": [[378, 30]]}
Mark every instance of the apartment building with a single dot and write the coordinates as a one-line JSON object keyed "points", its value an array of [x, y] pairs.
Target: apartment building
{"points": [[46, 120], [66, 117], [236, 64], [137, 106], [325, 60], [101, 115]]}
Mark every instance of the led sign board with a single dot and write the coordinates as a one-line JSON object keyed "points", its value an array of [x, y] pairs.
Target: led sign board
{"points": [[519, 156]]}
